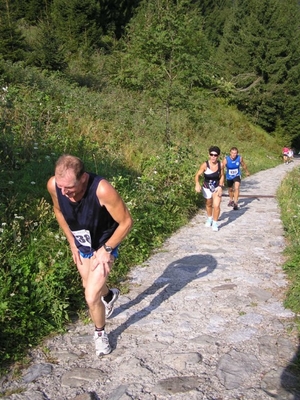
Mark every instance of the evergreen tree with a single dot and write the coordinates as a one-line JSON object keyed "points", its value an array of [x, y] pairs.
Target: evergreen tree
{"points": [[215, 13], [166, 53], [76, 24], [36, 10], [30, 10], [12, 44], [116, 14], [47, 52], [259, 54]]}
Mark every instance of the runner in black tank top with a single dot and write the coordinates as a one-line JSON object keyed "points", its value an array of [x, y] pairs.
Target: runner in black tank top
{"points": [[94, 220], [213, 173]]}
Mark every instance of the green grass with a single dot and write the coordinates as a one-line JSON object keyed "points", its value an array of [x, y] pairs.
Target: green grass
{"points": [[289, 200], [120, 135]]}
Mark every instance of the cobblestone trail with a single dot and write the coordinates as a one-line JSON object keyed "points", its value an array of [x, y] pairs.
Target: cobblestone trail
{"points": [[204, 319]]}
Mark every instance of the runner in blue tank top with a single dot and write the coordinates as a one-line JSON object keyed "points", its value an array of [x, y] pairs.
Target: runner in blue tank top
{"points": [[232, 164], [95, 220]]}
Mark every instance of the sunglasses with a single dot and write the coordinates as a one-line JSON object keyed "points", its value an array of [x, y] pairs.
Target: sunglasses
{"points": [[214, 155]]}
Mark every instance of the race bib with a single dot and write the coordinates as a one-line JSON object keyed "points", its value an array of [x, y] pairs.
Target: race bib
{"points": [[233, 171], [83, 236]]}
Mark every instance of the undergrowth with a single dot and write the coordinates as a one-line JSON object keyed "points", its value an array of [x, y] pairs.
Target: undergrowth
{"points": [[289, 200], [120, 136]]}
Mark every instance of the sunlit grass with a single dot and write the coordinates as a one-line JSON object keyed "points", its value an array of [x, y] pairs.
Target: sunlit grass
{"points": [[289, 199], [121, 137]]}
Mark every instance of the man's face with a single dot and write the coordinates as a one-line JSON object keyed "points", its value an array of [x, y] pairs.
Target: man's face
{"points": [[233, 154], [68, 184]]}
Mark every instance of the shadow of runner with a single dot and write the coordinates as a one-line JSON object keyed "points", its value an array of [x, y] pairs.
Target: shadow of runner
{"points": [[248, 184], [290, 377], [231, 215], [176, 276]]}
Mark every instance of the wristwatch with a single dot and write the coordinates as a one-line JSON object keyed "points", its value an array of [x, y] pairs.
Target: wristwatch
{"points": [[109, 249]]}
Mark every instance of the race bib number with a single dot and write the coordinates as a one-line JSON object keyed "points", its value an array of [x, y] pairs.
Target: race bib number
{"points": [[233, 172], [83, 236]]}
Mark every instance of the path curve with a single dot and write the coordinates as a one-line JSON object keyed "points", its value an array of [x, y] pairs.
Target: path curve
{"points": [[203, 319]]}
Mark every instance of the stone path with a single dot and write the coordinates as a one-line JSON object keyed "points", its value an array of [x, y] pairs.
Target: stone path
{"points": [[203, 319]]}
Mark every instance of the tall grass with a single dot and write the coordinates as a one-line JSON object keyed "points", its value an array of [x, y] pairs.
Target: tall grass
{"points": [[119, 135], [289, 200]]}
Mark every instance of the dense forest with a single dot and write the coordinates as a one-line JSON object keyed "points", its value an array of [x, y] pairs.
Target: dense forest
{"points": [[139, 90], [246, 52]]}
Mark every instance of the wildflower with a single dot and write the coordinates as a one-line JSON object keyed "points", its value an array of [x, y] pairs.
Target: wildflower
{"points": [[4, 224], [32, 182], [10, 182]]}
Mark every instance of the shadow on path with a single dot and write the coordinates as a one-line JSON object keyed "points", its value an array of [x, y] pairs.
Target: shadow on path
{"points": [[249, 184], [231, 215], [177, 275], [290, 378]]}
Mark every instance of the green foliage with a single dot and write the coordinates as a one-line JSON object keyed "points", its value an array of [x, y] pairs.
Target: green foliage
{"points": [[167, 50], [39, 289], [215, 13], [289, 200], [30, 10], [144, 119], [259, 55], [76, 23], [166, 54], [12, 44], [115, 15], [48, 51], [120, 135], [35, 10]]}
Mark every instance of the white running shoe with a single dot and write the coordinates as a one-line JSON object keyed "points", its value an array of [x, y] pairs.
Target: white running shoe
{"points": [[101, 343], [215, 227], [109, 307], [208, 222]]}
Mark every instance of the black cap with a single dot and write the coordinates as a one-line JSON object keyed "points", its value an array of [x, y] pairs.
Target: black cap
{"points": [[214, 148]]}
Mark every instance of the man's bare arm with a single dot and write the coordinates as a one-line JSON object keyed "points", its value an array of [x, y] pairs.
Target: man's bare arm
{"points": [[61, 220]]}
